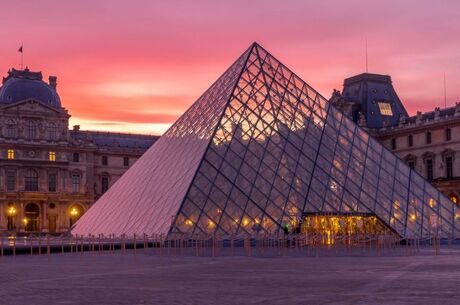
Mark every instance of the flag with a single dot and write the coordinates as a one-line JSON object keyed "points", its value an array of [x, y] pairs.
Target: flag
{"points": [[20, 49]]}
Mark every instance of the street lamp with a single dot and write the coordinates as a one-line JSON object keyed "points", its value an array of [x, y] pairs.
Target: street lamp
{"points": [[11, 211], [74, 212]]}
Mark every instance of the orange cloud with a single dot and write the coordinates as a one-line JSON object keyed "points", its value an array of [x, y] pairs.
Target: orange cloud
{"points": [[145, 63]]}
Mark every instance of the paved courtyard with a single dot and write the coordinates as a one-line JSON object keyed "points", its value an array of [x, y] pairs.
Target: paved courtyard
{"points": [[146, 279]]}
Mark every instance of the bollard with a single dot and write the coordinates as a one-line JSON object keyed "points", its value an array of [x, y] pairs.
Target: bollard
{"points": [[111, 245], [232, 245], [124, 244], [81, 245], [39, 245], [213, 246], [48, 249], [175, 245], [135, 245]]}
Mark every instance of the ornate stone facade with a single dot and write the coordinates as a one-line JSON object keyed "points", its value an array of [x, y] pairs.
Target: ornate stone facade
{"points": [[428, 142], [50, 175]]}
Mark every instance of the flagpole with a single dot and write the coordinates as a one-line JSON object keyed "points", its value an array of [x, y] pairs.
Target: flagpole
{"points": [[22, 56]]}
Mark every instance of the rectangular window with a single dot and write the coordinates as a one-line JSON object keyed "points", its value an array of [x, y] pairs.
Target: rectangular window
{"points": [[31, 180], [11, 129], [31, 130], [428, 137], [10, 154], [410, 141], [76, 157], [52, 156], [429, 169], [11, 180], [126, 162], [385, 109], [448, 134], [449, 168], [105, 160], [76, 183], [52, 132], [393, 143], [104, 184], [52, 182]]}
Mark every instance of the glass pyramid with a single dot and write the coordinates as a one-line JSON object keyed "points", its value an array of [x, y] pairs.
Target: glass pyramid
{"points": [[259, 150]]}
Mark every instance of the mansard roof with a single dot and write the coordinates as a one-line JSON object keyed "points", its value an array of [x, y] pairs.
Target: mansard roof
{"points": [[24, 84], [115, 140]]}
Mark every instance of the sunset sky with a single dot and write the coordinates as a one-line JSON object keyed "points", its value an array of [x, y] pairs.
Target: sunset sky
{"points": [[135, 66]]}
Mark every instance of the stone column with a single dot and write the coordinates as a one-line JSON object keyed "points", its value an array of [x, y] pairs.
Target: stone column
{"points": [[20, 225], [44, 221], [3, 211]]}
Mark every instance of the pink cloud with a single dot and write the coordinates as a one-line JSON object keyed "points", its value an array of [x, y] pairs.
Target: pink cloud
{"points": [[184, 46]]}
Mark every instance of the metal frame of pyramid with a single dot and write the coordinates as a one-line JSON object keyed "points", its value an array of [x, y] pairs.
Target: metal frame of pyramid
{"points": [[259, 149]]}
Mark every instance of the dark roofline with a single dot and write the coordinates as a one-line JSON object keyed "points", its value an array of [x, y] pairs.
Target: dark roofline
{"points": [[429, 115], [111, 133], [24, 74], [367, 77]]}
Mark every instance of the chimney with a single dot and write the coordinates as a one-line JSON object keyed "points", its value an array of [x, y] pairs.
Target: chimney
{"points": [[437, 113], [419, 117], [457, 109], [76, 127], [52, 81]]}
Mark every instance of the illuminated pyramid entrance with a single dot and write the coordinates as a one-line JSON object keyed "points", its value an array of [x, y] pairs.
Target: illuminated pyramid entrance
{"points": [[343, 226], [258, 151]]}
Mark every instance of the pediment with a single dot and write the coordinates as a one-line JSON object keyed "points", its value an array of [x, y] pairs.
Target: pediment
{"points": [[447, 151], [32, 106], [410, 157], [428, 154]]}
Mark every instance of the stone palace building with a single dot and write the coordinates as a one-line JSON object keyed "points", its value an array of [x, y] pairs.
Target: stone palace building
{"points": [[50, 175], [428, 142]]}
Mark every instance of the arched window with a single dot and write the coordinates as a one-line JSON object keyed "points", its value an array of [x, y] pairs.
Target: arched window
{"points": [[52, 132], [11, 219], [31, 180], [75, 212], [31, 130], [32, 217], [11, 130], [454, 198], [76, 157]]}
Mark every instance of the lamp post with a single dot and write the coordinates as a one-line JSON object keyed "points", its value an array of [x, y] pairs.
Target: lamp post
{"points": [[11, 216], [11, 211], [74, 215], [25, 221], [74, 212]]}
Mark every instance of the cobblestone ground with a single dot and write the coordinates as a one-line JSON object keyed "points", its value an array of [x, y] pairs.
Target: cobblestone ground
{"points": [[146, 279]]}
